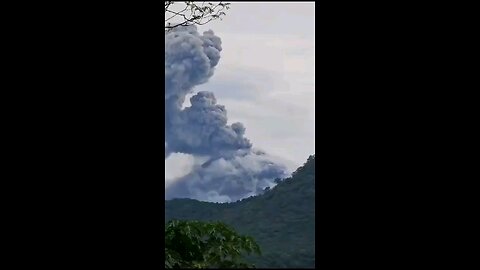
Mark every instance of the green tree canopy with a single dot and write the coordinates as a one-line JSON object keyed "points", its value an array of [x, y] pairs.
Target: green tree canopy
{"points": [[196, 244]]}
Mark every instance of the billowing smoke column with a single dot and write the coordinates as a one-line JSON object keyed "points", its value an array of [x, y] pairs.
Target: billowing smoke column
{"points": [[233, 170]]}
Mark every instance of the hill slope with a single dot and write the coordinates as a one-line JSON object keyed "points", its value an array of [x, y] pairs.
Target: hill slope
{"points": [[282, 220]]}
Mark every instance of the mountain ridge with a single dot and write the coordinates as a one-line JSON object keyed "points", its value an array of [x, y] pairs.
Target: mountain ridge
{"points": [[282, 219]]}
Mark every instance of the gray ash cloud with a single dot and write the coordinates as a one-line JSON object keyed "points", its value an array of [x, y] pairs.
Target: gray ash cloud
{"points": [[233, 170]]}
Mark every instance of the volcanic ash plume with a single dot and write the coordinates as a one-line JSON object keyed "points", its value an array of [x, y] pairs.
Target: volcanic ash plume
{"points": [[233, 169]]}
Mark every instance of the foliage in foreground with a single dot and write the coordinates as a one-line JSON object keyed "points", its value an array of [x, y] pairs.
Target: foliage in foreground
{"points": [[196, 244]]}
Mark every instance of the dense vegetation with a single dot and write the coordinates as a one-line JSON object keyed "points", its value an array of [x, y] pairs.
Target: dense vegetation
{"points": [[195, 244], [282, 220]]}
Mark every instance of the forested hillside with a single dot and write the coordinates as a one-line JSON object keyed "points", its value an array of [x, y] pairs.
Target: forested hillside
{"points": [[282, 220]]}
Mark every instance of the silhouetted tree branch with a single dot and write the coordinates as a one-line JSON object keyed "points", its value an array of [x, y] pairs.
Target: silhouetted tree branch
{"points": [[189, 12]]}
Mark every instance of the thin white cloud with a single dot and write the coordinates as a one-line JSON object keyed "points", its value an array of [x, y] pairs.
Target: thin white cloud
{"points": [[176, 166]]}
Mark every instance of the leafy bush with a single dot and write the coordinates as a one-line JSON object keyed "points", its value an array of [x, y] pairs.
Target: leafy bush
{"points": [[196, 244]]}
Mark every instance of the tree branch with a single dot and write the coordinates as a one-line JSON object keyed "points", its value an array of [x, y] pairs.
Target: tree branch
{"points": [[196, 14]]}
